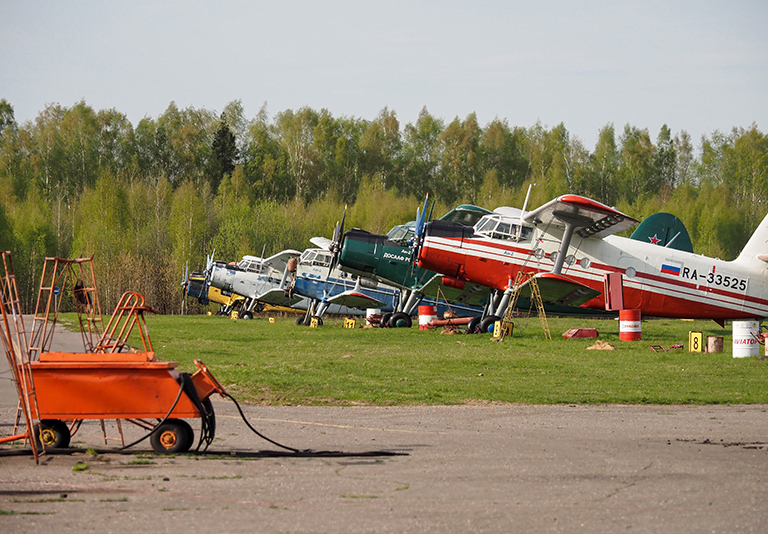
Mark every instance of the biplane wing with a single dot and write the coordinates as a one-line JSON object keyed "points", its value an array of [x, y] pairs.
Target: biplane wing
{"points": [[355, 299], [280, 260], [588, 217], [559, 289], [443, 288], [321, 242], [278, 297]]}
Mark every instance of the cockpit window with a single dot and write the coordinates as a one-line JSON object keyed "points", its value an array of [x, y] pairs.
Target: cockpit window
{"points": [[495, 228], [467, 217], [250, 266], [400, 234], [324, 260], [307, 256]]}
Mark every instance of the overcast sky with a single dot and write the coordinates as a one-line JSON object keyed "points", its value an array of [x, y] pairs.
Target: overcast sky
{"points": [[698, 66]]}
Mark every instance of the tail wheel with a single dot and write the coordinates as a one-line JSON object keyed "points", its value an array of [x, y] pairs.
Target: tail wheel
{"points": [[400, 320], [174, 435], [52, 434]]}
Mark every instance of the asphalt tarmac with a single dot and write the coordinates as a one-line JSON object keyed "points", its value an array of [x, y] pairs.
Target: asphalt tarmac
{"points": [[480, 468]]}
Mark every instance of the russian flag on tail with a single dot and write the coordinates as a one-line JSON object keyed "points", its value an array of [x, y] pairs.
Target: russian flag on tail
{"points": [[671, 267]]}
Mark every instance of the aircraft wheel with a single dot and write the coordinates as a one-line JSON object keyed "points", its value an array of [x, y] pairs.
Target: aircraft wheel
{"points": [[52, 433], [486, 325], [384, 323], [399, 320], [300, 320], [473, 324], [245, 315], [175, 435]]}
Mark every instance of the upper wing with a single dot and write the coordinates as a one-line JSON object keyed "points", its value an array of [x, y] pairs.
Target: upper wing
{"points": [[355, 299], [591, 218], [280, 260], [321, 242], [558, 289]]}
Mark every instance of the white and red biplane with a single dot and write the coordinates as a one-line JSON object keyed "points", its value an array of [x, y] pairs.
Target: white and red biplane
{"points": [[569, 244]]}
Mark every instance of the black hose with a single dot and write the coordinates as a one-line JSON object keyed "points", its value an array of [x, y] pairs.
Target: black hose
{"points": [[262, 436], [207, 417]]}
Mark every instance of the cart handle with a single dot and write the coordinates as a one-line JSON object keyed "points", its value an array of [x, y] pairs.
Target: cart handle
{"points": [[204, 369]]}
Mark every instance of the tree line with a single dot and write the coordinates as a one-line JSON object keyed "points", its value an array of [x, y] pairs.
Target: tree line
{"points": [[149, 199]]}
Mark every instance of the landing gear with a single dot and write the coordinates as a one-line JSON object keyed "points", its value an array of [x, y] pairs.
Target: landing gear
{"points": [[486, 325], [174, 435], [384, 323], [399, 320], [245, 315], [52, 434], [473, 325]]}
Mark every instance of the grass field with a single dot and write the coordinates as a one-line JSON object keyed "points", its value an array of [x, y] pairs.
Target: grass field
{"points": [[281, 363]]}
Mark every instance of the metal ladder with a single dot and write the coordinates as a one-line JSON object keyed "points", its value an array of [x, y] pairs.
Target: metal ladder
{"points": [[59, 275], [520, 279], [14, 341]]}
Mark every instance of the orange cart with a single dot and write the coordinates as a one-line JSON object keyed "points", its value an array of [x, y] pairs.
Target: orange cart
{"points": [[110, 380]]}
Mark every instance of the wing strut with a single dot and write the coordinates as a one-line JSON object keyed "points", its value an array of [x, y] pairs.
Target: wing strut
{"points": [[564, 244]]}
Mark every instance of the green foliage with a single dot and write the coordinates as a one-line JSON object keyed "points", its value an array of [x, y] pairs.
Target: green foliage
{"points": [[147, 200]]}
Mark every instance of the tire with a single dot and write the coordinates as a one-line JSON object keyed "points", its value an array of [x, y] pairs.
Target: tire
{"points": [[400, 320], [473, 325], [51, 433], [173, 436], [486, 325], [384, 323], [246, 315], [300, 320]]}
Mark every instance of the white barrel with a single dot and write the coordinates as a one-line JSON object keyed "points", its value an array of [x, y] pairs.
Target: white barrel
{"points": [[630, 326], [745, 338]]}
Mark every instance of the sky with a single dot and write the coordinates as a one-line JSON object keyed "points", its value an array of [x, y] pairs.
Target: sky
{"points": [[699, 66]]}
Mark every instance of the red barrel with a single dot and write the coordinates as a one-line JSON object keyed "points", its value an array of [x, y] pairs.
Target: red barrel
{"points": [[426, 314], [629, 325]]}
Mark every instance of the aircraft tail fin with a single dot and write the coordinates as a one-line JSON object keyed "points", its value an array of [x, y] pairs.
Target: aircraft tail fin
{"points": [[756, 249]]}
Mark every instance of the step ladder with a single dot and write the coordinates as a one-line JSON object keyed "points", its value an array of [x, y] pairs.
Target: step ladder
{"points": [[14, 343], [520, 280], [60, 277]]}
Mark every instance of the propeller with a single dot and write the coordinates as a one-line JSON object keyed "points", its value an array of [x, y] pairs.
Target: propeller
{"points": [[338, 239], [185, 281], [421, 218]]}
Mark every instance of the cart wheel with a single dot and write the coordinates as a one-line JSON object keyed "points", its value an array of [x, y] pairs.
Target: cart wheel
{"points": [[51, 433], [175, 435]]}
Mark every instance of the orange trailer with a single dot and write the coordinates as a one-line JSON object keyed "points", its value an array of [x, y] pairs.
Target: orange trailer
{"points": [[112, 380]]}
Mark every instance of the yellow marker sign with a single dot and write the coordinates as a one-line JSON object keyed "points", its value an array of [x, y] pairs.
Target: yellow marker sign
{"points": [[313, 323], [695, 342], [497, 329], [272, 320], [349, 323]]}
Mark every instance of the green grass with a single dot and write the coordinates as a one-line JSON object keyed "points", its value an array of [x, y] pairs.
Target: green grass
{"points": [[281, 363]]}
